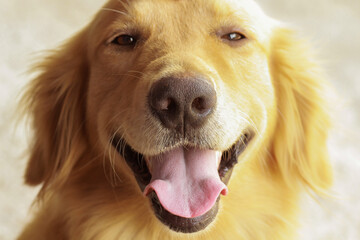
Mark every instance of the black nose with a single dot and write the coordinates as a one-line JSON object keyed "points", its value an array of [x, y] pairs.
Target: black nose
{"points": [[182, 103]]}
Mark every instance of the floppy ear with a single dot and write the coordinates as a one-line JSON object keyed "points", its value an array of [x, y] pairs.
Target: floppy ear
{"points": [[56, 101], [299, 144]]}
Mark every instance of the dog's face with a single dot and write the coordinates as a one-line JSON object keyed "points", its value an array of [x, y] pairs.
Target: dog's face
{"points": [[185, 87], [184, 101]]}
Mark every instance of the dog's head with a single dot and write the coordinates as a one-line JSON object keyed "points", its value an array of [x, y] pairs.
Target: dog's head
{"points": [[181, 91]]}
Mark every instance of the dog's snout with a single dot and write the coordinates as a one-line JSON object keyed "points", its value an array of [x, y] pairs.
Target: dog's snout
{"points": [[181, 103]]}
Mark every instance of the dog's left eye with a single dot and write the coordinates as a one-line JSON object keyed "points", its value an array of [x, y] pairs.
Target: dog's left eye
{"points": [[125, 40], [233, 36]]}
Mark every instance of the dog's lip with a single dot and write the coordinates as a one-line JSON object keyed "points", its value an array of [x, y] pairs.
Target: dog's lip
{"points": [[136, 161], [180, 224]]}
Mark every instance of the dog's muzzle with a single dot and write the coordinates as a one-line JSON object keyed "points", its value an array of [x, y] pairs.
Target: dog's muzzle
{"points": [[185, 181]]}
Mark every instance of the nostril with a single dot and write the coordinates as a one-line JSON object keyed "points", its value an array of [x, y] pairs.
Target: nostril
{"points": [[203, 105], [172, 106], [199, 105]]}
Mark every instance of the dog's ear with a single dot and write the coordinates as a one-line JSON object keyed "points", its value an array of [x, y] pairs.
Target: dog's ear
{"points": [[55, 101], [300, 138]]}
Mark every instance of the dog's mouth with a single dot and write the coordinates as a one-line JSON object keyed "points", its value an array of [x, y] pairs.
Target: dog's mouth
{"points": [[184, 184]]}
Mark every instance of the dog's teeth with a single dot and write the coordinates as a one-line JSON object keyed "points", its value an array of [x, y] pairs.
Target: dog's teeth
{"points": [[218, 158]]}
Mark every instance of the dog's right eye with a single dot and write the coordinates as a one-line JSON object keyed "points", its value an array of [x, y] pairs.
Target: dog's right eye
{"points": [[233, 36], [125, 40]]}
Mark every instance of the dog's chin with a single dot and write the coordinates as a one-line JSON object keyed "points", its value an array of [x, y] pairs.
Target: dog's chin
{"points": [[137, 162]]}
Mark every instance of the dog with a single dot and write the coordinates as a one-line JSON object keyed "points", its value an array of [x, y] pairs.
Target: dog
{"points": [[168, 119]]}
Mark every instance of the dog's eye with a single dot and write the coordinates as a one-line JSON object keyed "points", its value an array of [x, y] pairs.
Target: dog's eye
{"points": [[233, 36], [125, 40]]}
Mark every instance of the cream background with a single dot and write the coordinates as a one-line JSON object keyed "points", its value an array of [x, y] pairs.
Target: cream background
{"points": [[333, 26]]}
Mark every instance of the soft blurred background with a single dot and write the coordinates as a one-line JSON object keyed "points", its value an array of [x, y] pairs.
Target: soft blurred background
{"points": [[28, 27]]}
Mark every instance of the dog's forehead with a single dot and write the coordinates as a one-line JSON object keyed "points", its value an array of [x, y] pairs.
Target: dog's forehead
{"points": [[216, 8], [196, 12], [218, 5]]}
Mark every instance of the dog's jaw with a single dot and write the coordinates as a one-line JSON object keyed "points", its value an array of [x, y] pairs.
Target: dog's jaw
{"points": [[137, 163]]}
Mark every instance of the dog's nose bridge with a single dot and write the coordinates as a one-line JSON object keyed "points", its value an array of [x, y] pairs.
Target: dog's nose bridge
{"points": [[182, 104], [181, 64]]}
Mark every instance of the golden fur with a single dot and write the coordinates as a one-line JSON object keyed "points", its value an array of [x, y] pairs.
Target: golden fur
{"points": [[86, 88]]}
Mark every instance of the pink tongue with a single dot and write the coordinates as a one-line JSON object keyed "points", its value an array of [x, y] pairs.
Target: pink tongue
{"points": [[186, 181]]}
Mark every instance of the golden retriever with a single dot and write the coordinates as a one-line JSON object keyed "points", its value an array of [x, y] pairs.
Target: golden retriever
{"points": [[176, 119]]}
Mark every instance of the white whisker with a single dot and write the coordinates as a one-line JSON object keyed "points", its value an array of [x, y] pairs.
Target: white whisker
{"points": [[116, 11]]}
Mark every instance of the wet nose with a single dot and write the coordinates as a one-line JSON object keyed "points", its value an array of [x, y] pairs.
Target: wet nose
{"points": [[181, 103]]}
